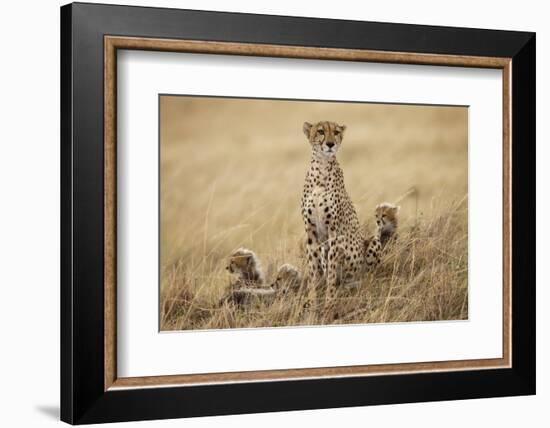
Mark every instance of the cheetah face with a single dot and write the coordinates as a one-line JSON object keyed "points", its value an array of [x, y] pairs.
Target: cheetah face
{"points": [[233, 267], [386, 217], [325, 137], [240, 262], [245, 265]]}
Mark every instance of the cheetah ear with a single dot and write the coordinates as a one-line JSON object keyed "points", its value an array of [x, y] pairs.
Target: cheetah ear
{"points": [[397, 208], [306, 128]]}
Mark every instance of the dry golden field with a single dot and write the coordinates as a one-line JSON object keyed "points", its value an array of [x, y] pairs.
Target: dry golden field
{"points": [[231, 176]]}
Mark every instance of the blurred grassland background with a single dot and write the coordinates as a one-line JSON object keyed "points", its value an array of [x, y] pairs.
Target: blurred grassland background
{"points": [[231, 176]]}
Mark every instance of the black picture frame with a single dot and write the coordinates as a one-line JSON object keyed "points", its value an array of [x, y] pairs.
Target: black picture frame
{"points": [[83, 398]]}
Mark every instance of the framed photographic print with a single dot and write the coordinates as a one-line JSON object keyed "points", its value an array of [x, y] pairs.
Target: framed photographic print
{"points": [[265, 213]]}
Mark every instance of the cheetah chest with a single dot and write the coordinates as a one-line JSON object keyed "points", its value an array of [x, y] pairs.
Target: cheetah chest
{"points": [[319, 210]]}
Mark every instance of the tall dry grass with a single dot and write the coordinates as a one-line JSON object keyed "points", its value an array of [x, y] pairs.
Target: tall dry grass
{"points": [[231, 176]]}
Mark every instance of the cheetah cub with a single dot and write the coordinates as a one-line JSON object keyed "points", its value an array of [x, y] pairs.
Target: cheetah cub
{"points": [[249, 284], [248, 278], [288, 279], [245, 265], [386, 221], [386, 227], [248, 295], [336, 249]]}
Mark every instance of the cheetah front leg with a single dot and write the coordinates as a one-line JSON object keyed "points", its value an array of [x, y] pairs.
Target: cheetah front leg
{"points": [[335, 265], [315, 268], [373, 248]]}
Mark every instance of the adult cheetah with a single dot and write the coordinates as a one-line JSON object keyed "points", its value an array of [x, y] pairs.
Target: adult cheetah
{"points": [[337, 250]]}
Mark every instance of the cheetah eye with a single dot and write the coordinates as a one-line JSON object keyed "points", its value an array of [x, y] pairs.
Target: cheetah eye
{"points": [[321, 132], [336, 132]]}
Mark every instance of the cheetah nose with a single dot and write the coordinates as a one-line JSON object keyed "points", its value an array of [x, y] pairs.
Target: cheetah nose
{"points": [[330, 145]]}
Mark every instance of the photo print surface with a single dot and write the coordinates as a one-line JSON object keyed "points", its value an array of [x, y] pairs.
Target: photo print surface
{"points": [[277, 213]]}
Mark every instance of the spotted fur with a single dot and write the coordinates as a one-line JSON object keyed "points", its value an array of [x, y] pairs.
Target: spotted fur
{"points": [[248, 295]]}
